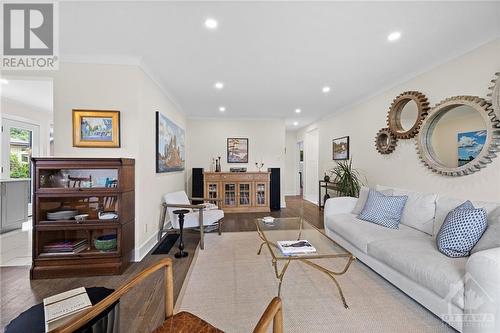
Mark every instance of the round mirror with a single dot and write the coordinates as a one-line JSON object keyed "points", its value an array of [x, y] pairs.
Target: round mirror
{"points": [[458, 137], [406, 114], [385, 141]]}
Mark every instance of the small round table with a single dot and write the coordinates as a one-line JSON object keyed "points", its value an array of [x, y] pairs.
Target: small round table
{"points": [[180, 213], [33, 319]]}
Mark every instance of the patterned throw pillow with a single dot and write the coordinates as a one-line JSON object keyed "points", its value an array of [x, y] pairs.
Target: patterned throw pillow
{"points": [[461, 230], [383, 210]]}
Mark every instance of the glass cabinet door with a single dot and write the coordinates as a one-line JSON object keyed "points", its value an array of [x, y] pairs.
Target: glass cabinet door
{"points": [[244, 194], [260, 194], [230, 194], [77, 178], [213, 191]]}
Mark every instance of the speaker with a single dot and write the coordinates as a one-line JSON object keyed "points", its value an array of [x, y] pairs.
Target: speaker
{"points": [[197, 184], [275, 189]]}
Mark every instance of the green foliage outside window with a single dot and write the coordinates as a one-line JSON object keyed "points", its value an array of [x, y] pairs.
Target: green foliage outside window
{"points": [[18, 169]]}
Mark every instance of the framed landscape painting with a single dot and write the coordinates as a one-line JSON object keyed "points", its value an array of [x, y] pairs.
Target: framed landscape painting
{"points": [[470, 145], [340, 148], [170, 154], [96, 129], [237, 150]]}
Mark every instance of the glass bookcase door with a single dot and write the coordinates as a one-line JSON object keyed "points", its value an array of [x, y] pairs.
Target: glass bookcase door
{"points": [[103, 208], [230, 195], [244, 194], [78, 178], [260, 194]]}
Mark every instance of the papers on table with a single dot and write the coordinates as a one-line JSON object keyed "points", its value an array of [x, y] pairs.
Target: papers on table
{"points": [[296, 247], [61, 308]]}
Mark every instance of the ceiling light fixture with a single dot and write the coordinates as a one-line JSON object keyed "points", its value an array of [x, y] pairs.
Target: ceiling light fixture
{"points": [[326, 89], [394, 36], [219, 85], [4, 81], [222, 109], [298, 110], [295, 123], [211, 23]]}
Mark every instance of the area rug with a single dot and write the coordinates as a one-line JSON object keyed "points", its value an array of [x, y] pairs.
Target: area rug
{"points": [[229, 286]]}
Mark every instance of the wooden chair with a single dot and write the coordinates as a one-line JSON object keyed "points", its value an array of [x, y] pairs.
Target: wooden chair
{"points": [[180, 322]]}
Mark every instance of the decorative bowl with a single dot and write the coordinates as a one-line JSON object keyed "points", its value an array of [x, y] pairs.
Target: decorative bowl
{"points": [[81, 217], [105, 242]]}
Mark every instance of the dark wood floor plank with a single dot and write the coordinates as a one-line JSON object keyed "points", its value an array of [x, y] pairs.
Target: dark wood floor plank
{"points": [[143, 308]]}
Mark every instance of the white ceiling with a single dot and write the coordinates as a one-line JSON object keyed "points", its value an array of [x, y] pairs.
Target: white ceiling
{"points": [[35, 93], [275, 57]]}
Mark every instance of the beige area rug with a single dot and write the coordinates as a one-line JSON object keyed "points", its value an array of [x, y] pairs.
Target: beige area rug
{"points": [[230, 286]]}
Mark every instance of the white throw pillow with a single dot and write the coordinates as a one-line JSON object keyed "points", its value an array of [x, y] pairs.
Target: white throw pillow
{"points": [[419, 210], [363, 195], [491, 237]]}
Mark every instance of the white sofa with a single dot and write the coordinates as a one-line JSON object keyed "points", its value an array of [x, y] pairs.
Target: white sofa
{"points": [[464, 292]]}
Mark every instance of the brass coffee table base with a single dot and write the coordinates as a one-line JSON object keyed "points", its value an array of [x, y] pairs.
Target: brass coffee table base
{"points": [[280, 275]]}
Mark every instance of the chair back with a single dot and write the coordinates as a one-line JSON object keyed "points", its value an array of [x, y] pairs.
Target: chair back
{"points": [[176, 198]]}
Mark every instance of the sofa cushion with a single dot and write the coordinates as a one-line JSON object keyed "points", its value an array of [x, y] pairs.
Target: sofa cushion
{"points": [[461, 230], [445, 204], [419, 210], [383, 210], [491, 237], [363, 195], [419, 259], [360, 233]]}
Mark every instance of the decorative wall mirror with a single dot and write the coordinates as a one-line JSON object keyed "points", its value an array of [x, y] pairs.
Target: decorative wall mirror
{"points": [[459, 137], [495, 95], [385, 141], [406, 114]]}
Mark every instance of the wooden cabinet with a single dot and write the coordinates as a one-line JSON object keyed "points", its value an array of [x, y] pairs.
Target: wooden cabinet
{"points": [[103, 190], [240, 192]]}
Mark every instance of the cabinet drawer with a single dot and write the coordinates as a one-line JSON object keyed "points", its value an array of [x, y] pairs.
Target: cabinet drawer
{"points": [[212, 177]]}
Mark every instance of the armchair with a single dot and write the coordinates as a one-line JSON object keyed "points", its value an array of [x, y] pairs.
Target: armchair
{"points": [[174, 323], [198, 217]]}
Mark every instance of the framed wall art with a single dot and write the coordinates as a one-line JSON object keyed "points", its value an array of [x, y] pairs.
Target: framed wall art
{"points": [[96, 129], [340, 148], [237, 150], [170, 153]]}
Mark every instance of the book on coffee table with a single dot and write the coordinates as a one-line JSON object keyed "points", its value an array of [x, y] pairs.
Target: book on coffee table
{"points": [[296, 247], [61, 308]]}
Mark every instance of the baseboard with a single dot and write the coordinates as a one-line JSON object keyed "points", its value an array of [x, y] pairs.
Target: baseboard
{"points": [[144, 249], [310, 199]]}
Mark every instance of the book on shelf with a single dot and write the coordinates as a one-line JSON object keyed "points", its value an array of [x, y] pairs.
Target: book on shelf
{"points": [[62, 308], [296, 247], [64, 247]]}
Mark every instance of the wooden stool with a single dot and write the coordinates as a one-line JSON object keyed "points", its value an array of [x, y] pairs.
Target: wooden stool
{"points": [[180, 213]]}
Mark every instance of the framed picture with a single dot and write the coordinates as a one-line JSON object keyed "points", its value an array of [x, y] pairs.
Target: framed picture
{"points": [[340, 148], [96, 129], [170, 154], [470, 145], [237, 150]]}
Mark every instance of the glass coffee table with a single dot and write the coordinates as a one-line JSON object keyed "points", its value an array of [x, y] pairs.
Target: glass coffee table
{"points": [[296, 228]]}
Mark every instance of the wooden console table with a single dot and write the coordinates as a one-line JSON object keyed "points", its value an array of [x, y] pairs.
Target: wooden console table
{"points": [[239, 191], [327, 186]]}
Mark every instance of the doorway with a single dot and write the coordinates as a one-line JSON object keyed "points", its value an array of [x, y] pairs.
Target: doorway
{"points": [[311, 165]]}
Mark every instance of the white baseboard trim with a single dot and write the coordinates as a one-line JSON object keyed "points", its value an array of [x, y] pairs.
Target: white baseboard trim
{"points": [[311, 199], [141, 251]]}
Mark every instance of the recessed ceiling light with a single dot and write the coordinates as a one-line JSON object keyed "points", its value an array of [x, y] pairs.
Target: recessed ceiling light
{"points": [[222, 108], [326, 89], [211, 23], [394, 36], [298, 110], [295, 123], [219, 85], [4, 81]]}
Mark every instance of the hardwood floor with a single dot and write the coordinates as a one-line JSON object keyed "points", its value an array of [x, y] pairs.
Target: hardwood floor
{"points": [[142, 309]]}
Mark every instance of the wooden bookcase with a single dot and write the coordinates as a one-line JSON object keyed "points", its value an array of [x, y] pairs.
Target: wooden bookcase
{"points": [[86, 186], [239, 191]]}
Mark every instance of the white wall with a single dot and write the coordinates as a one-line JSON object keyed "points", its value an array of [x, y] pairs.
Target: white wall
{"points": [[206, 139], [290, 181], [129, 90], [28, 113], [468, 75]]}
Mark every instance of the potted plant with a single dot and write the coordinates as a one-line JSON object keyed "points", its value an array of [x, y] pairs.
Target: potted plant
{"points": [[346, 179]]}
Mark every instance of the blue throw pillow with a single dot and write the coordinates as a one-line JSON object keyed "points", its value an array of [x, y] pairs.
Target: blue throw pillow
{"points": [[383, 209], [461, 230]]}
